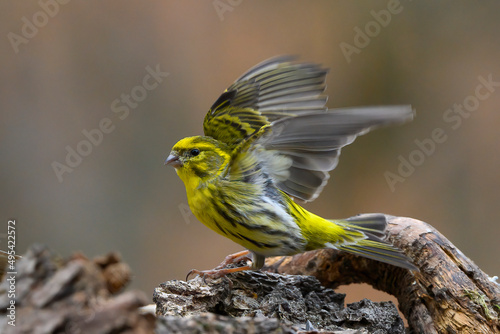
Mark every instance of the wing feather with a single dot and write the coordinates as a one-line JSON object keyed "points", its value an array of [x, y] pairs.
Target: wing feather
{"points": [[275, 89], [313, 142], [275, 120]]}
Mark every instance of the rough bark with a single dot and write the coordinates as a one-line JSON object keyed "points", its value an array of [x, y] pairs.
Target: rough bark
{"points": [[76, 295], [257, 300], [450, 294]]}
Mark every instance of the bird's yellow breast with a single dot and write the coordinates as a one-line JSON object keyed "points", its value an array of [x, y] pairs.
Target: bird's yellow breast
{"points": [[243, 213]]}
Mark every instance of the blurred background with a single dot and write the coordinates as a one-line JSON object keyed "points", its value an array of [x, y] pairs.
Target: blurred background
{"points": [[145, 73]]}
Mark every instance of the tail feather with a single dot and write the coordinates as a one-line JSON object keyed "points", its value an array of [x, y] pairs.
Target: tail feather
{"points": [[372, 223], [374, 246]]}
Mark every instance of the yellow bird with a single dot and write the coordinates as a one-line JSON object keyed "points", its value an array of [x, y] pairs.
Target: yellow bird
{"points": [[269, 139]]}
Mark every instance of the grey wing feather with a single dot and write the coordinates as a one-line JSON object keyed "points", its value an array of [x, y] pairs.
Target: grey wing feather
{"points": [[279, 88], [275, 89], [305, 139], [312, 141]]}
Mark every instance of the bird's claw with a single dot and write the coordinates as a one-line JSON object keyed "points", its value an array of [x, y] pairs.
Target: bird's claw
{"points": [[221, 270], [211, 274], [216, 273]]}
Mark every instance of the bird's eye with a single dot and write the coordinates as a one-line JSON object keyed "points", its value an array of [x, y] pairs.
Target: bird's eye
{"points": [[194, 152]]}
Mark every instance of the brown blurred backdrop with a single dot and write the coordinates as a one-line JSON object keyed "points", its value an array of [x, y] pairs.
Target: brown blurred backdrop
{"points": [[65, 67]]}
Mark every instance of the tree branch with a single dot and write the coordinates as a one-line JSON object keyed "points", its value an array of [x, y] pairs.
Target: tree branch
{"points": [[450, 294]]}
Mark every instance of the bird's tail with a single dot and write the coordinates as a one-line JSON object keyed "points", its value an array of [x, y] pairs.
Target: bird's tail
{"points": [[374, 246]]}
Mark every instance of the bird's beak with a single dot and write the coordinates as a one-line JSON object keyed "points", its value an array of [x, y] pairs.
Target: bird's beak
{"points": [[174, 161]]}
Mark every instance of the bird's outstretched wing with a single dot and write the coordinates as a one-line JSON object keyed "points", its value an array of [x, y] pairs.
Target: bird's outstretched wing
{"points": [[298, 152], [275, 118], [313, 142], [275, 89]]}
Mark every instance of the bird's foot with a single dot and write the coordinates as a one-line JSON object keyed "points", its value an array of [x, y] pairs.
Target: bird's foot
{"points": [[221, 270]]}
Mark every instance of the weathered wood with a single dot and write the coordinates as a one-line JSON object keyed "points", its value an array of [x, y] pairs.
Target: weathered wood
{"points": [[76, 295], [213, 323], [450, 294], [247, 298]]}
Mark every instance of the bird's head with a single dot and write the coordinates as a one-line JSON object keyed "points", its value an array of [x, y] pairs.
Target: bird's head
{"points": [[198, 159]]}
